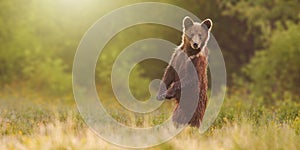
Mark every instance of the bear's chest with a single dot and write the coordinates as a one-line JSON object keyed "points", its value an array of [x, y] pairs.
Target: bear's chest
{"points": [[186, 67]]}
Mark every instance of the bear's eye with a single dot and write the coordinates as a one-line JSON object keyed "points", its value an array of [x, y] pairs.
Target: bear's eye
{"points": [[192, 35], [200, 36]]}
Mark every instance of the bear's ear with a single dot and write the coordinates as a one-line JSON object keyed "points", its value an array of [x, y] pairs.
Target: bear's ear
{"points": [[207, 23], [187, 22]]}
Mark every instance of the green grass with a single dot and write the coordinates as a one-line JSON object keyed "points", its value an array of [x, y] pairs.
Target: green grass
{"points": [[240, 125]]}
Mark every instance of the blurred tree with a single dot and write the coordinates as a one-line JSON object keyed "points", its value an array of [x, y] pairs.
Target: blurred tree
{"points": [[263, 17], [38, 39], [275, 70], [272, 71], [30, 42]]}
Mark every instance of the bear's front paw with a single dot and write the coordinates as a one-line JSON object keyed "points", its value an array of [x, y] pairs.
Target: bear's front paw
{"points": [[161, 96]]}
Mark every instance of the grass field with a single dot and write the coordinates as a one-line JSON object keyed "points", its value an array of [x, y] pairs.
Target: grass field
{"points": [[240, 125]]}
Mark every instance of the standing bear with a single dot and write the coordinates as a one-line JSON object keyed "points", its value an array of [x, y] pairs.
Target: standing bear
{"points": [[179, 81]]}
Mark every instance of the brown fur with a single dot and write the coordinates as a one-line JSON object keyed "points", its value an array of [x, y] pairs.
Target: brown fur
{"points": [[173, 84], [200, 64], [173, 90]]}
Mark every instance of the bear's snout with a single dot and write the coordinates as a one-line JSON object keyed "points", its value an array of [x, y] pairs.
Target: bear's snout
{"points": [[195, 45]]}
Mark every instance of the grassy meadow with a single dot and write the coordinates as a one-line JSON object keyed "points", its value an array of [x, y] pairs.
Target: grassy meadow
{"points": [[240, 125]]}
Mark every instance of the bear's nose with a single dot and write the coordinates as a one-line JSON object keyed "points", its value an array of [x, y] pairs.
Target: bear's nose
{"points": [[195, 45]]}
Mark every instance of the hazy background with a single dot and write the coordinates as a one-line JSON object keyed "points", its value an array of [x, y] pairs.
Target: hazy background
{"points": [[259, 41]]}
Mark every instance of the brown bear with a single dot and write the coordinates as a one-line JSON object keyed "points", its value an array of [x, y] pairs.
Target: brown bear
{"points": [[177, 78]]}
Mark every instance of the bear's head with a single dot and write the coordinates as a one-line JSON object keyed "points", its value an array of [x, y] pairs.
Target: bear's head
{"points": [[196, 34]]}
